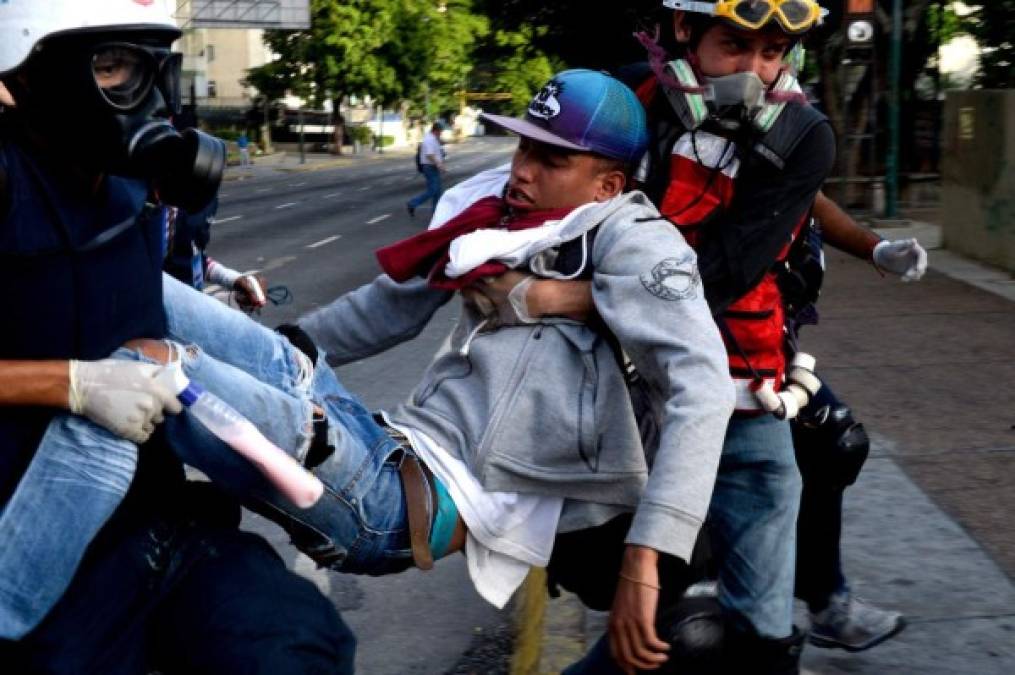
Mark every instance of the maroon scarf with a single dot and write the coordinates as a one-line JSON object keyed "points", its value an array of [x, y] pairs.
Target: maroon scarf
{"points": [[427, 254]]}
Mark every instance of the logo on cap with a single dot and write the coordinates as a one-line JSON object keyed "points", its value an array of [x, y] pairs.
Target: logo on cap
{"points": [[545, 104], [145, 3]]}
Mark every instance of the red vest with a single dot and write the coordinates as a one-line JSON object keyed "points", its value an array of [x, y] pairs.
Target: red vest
{"points": [[703, 169]]}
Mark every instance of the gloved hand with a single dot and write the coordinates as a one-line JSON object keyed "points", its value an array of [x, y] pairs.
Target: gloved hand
{"points": [[504, 295], [904, 257], [250, 292], [125, 397]]}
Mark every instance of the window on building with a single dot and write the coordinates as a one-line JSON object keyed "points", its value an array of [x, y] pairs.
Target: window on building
{"points": [[212, 89], [209, 53]]}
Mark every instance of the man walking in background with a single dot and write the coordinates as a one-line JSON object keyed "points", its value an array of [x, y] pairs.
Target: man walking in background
{"points": [[431, 164]]}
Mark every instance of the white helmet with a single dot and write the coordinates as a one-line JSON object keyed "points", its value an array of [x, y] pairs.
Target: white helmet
{"points": [[23, 23]]}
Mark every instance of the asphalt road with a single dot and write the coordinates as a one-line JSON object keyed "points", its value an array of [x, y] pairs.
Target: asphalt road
{"points": [[315, 232]]}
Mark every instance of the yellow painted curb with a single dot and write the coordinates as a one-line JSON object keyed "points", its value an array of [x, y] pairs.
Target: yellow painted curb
{"points": [[529, 615]]}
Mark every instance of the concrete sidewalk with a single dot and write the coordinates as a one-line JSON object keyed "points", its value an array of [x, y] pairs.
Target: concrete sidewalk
{"points": [[289, 162], [928, 368]]}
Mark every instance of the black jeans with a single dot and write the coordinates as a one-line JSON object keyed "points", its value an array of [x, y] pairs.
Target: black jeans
{"points": [[819, 529], [182, 597]]}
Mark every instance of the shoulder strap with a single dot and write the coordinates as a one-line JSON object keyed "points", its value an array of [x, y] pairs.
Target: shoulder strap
{"points": [[792, 126]]}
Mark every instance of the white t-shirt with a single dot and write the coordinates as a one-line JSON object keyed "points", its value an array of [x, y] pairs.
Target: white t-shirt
{"points": [[431, 147], [508, 532]]}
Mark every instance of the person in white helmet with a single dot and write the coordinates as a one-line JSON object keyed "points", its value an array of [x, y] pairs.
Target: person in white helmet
{"points": [[169, 584]]}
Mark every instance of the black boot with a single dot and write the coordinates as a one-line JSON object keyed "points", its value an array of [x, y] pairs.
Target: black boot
{"points": [[694, 629], [749, 654]]}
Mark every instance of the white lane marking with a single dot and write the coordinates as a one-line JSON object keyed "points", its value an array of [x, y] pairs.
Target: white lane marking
{"points": [[333, 194], [325, 242], [285, 206], [379, 219], [219, 221], [298, 184], [262, 189], [408, 178], [276, 263], [364, 188]]}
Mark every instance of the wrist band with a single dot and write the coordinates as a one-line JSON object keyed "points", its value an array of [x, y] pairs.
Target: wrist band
{"points": [[640, 582]]}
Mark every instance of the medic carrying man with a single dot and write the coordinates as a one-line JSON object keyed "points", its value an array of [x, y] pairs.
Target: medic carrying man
{"points": [[86, 140], [736, 162]]}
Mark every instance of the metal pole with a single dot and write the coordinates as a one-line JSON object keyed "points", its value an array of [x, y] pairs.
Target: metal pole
{"points": [[380, 128], [266, 141], [303, 150], [894, 74]]}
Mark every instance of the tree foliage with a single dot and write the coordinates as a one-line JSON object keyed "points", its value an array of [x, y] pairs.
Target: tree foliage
{"points": [[992, 24]]}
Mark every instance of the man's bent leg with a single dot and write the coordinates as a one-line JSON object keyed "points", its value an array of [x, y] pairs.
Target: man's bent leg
{"points": [[232, 337], [360, 522], [754, 511]]}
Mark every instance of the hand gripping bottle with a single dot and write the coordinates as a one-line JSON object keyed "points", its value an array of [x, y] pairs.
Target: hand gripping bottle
{"points": [[297, 484]]}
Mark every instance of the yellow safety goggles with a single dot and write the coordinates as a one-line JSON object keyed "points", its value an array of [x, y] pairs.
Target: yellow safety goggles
{"points": [[794, 16]]}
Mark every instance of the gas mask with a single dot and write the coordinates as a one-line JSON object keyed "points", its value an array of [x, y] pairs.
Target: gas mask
{"points": [[110, 102], [735, 100], [740, 101]]}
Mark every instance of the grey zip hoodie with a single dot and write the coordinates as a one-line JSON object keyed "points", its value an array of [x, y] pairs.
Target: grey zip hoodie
{"points": [[544, 408]]}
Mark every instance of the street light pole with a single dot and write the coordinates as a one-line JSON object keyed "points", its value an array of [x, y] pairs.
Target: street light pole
{"points": [[303, 150], [894, 74]]}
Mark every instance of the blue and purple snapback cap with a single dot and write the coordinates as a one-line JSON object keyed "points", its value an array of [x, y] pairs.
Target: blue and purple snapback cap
{"points": [[584, 110]]}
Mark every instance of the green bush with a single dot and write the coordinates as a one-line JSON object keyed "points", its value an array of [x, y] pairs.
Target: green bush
{"points": [[387, 140], [227, 134], [360, 133]]}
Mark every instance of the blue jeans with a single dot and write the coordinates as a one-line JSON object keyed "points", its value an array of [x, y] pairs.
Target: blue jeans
{"points": [[175, 596], [753, 522], [433, 187], [81, 472]]}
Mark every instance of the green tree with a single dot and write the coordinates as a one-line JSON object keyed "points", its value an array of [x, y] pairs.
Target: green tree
{"points": [[440, 42], [992, 24], [341, 54], [389, 50], [512, 64]]}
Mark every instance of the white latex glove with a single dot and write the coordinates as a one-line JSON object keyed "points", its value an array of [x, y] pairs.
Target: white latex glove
{"points": [[505, 296], [904, 257], [125, 397]]}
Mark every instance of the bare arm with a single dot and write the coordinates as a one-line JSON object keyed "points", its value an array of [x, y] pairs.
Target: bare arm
{"points": [[841, 231], [40, 383]]}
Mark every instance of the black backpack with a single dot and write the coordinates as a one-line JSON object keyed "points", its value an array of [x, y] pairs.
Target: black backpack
{"points": [[419, 158]]}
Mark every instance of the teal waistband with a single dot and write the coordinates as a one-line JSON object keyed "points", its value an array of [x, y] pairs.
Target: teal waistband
{"points": [[444, 522]]}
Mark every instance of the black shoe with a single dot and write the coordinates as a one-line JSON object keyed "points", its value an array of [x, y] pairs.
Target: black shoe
{"points": [[299, 339], [411, 210], [749, 653]]}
